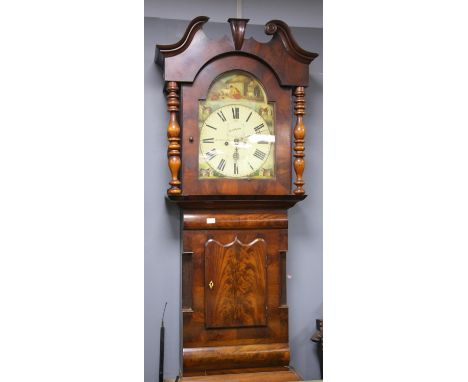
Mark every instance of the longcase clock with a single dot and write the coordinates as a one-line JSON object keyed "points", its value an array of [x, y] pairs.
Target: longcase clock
{"points": [[235, 135]]}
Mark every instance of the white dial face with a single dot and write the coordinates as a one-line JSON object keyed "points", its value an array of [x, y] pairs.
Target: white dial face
{"points": [[235, 141]]}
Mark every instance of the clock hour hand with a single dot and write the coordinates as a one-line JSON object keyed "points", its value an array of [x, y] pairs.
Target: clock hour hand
{"points": [[235, 156]]}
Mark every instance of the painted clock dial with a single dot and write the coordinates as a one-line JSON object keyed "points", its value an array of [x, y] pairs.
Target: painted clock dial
{"points": [[235, 141], [236, 129]]}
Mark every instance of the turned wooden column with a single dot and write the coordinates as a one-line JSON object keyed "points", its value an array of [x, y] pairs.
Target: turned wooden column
{"points": [[299, 136], [173, 136]]}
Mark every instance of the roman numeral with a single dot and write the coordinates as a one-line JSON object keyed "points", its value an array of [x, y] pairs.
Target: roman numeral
{"points": [[214, 128], [211, 154], [221, 165], [259, 154], [235, 113], [251, 166], [247, 120], [209, 140], [236, 169], [262, 142], [259, 128], [221, 115]]}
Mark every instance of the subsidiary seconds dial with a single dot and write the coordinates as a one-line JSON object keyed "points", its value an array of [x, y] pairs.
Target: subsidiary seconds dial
{"points": [[235, 141]]}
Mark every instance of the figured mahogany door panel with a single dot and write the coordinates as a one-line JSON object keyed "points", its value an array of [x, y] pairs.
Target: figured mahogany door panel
{"points": [[196, 329], [235, 280]]}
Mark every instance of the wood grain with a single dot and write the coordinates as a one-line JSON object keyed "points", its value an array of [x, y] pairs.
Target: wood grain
{"points": [[163, 51], [234, 219], [280, 29], [299, 138], [195, 61], [236, 371], [238, 31], [196, 334], [236, 202], [283, 275], [276, 376], [182, 61], [230, 357], [173, 136], [198, 90], [235, 276], [241, 323], [187, 269]]}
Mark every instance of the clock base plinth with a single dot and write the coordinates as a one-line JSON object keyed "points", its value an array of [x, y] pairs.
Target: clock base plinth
{"points": [[243, 358], [264, 376]]}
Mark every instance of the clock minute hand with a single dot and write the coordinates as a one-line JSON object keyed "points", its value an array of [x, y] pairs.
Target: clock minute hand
{"points": [[257, 138]]}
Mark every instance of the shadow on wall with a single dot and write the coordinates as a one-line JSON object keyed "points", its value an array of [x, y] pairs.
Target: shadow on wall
{"points": [[173, 214]]}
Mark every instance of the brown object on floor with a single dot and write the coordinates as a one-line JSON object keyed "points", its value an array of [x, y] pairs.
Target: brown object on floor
{"points": [[318, 338], [275, 376]]}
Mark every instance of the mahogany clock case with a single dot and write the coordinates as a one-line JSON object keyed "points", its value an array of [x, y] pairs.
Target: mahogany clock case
{"points": [[162, 245], [282, 98]]}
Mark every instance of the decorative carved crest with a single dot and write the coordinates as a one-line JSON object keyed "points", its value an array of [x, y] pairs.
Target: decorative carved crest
{"points": [[183, 60]]}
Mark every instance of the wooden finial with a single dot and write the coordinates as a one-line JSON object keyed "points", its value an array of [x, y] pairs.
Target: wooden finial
{"points": [[299, 136], [238, 31], [173, 136]]}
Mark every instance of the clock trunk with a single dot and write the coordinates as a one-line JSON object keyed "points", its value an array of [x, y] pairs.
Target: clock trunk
{"points": [[235, 289]]}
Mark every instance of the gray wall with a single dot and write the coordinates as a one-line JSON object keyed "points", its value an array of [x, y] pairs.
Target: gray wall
{"points": [[298, 13], [162, 251]]}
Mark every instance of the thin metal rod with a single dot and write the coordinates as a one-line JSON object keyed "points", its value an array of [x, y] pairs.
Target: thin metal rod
{"points": [[164, 312], [161, 347], [239, 9]]}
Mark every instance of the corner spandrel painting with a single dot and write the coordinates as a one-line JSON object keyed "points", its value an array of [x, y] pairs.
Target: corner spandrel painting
{"points": [[237, 129]]}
